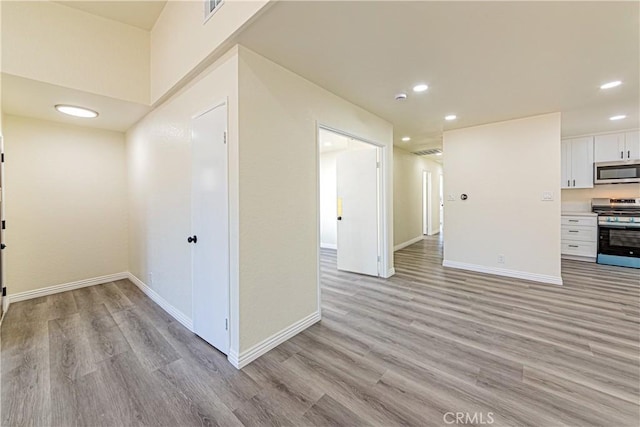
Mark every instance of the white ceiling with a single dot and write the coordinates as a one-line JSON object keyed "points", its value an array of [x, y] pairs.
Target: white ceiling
{"points": [[484, 61], [141, 14], [31, 98]]}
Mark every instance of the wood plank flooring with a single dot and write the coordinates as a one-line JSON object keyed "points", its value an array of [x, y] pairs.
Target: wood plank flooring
{"points": [[402, 351]]}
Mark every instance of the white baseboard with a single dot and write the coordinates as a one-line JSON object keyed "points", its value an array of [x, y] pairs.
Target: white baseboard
{"points": [[407, 243], [328, 246], [243, 359], [554, 280], [50, 290], [390, 272], [166, 306]]}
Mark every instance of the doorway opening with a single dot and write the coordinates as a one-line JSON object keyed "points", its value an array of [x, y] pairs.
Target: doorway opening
{"points": [[427, 227], [350, 202]]}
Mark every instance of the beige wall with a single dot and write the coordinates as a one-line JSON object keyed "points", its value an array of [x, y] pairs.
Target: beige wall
{"points": [[180, 41], [504, 168], [159, 171], [65, 203], [92, 54], [407, 195], [279, 115]]}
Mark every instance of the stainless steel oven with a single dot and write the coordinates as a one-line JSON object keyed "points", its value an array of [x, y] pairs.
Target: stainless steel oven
{"points": [[618, 231]]}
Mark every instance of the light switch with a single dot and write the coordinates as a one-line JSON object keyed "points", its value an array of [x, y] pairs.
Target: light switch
{"points": [[547, 196]]}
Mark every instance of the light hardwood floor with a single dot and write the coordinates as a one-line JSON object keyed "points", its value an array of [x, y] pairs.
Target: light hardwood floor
{"points": [[407, 350]]}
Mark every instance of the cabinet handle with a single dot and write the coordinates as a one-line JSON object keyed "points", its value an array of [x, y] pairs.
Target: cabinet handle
{"points": [[574, 182], [622, 154], [574, 220], [574, 246], [573, 231], [568, 183], [628, 154]]}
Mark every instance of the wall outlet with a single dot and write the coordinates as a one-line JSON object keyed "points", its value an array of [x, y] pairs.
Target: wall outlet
{"points": [[150, 279], [500, 259]]}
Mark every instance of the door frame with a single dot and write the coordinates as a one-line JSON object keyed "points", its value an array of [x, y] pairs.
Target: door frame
{"points": [[382, 211], [224, 102]]}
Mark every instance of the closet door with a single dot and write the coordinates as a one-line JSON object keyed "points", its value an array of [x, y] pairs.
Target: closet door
{"points": [[210, 228]]}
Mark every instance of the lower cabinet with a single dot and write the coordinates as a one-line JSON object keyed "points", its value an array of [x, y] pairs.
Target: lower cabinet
{"points": [[579, 237]]}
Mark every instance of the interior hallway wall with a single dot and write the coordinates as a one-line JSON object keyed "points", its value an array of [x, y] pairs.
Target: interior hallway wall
{"points": [[279, 117], [65, 203], [328, 200], [407, 195]]}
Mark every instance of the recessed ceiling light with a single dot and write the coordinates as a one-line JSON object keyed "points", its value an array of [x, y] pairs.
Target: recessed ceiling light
{"points": [[406, 138], [619, 117], [76, 111], [611, 84], [420, 87], [450, 117]]}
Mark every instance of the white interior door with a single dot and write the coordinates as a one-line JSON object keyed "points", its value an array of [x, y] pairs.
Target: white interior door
{"points": [[210, 227], [357, 190]]}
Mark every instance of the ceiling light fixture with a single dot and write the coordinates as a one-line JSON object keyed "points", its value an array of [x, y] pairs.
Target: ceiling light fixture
{"points": [[450, 117], [438, 154], [420, 87], [406, 138], [611, 84], [618, 117], [401, 96], [72, 110]]}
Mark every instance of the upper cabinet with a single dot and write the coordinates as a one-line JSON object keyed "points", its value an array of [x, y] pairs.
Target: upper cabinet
{"points": [[577, 163], [617, 146]]}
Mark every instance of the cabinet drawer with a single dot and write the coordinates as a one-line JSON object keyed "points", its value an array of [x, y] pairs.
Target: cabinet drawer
{"points": [[579, 232], [591, 221], [579, 248]]}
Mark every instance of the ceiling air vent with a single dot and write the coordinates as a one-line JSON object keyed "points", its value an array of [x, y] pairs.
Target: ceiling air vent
{"points": [[427, 152]]}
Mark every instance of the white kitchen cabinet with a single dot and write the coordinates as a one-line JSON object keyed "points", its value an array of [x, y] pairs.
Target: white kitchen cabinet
{"points": [[579, 236], [632, 145], [577, 163], [617, 146]]}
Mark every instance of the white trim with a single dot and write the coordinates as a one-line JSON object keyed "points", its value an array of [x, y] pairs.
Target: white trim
{"points": [[390, 272], [328, 246], [50, 290], [543, 278], [407, 243], [185, 320], [243, 359]]}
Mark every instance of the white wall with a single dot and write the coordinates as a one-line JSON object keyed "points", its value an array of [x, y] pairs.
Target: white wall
{"points": [[91, 53], [328, 200], [180, 41], [407, 195], [504, 168], [159, 171], [65, 203], [279, 115]]}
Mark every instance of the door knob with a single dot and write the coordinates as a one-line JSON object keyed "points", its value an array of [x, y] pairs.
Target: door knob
{"points": [[2, 246], [339, 218], [193, 239]]}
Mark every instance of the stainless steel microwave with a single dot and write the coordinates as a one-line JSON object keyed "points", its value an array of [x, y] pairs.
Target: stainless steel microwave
{"points": [[620, 172]]}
